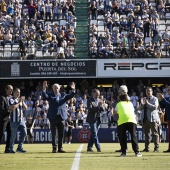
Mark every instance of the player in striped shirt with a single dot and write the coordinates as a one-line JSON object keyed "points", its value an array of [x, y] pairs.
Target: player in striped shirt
{"points": [[17, 105]]}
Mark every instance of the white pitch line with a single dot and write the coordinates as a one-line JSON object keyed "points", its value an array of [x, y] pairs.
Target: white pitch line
{"points": [[75, 165]]}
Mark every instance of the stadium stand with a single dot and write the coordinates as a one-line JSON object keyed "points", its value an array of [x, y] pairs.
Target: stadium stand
{"points": [[37, 27], [129, 29]]}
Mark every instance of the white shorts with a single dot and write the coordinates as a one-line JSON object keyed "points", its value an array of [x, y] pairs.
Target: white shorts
{"points": [[60, 50]]}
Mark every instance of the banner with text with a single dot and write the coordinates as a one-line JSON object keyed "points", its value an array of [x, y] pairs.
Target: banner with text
{"points": [[44, 69], [83, 135], [133, 68]]}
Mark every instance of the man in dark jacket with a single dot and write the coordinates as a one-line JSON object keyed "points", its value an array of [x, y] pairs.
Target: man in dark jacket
{"points": [[57, 112], [4, 116], [165, 102], [94, 106]]}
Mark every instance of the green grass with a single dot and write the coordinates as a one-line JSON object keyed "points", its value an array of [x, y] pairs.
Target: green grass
{"points": [[39, 157]]}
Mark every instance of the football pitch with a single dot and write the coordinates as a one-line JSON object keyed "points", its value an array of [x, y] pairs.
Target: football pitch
{"points": [[39, 157]]}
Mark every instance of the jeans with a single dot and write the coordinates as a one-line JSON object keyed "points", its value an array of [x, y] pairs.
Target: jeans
{"points": [[23, 133], [94, 138]]}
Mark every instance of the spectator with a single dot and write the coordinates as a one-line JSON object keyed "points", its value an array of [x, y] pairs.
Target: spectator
{"points": [[31, 10], [29, 110], [60, 49], [115, 19], [64, 8], [150, 119], [46, 122], [69, 128], [149, 50], [93, 10], [55, 11], [48, 10], [167, 6], [38, 122], [161, 10], [71, 38], [114, 7], [30, 126], [122, 7], [8, 37]]}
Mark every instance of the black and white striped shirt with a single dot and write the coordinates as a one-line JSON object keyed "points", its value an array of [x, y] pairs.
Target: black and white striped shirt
{"points": [[17, 114]]}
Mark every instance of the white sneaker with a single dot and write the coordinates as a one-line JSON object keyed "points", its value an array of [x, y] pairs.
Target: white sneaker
{"points": [[138, 154]]}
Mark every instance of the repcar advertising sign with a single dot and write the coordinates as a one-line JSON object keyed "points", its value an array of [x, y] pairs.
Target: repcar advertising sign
{"points": [[58, 68], [133, 68]]}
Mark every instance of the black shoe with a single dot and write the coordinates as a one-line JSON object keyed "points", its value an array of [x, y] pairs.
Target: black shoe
{"points": [[156, 150], [145, 150], [54, 150], [89, 150], [21, 150], [12, 152], [61, 151], [118, 150], [7, 151], [166, 151], [99, 150]]}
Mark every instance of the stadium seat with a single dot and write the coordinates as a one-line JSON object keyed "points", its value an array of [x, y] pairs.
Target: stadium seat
{"points": [[93, 22], [124, 16], [39, 54], [55, 22], [7, 54], [16, 54], [63, 22], [167, 22], [167, 16], [162, 22], [101, 32], [153, 4], [101, 23], [162, 27], [7, 47], [25, 11], [100, 17], [147, 40], [15, 47], [100, 28]]}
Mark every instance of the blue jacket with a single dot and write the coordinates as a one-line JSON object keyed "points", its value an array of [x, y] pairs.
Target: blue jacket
{"points": [[166, 103], [57, 107]]}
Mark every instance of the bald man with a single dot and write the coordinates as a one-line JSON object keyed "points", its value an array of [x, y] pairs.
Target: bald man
{"points": [[57, 113], [4, 116]]}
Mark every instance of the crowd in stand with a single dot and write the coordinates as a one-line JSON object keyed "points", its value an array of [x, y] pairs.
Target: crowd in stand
{"points": [[129, 28], [34, 27], [117, 29], [37, 107]]}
